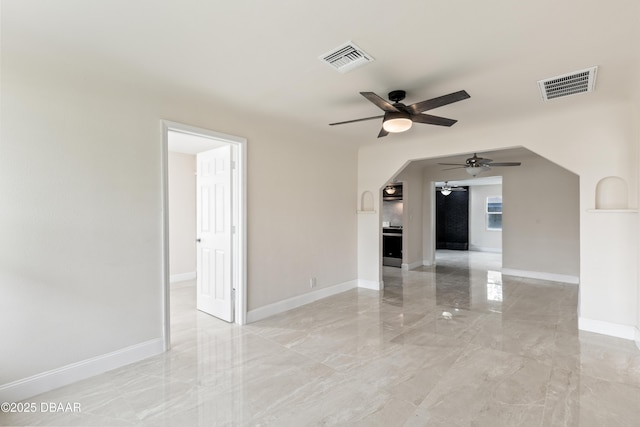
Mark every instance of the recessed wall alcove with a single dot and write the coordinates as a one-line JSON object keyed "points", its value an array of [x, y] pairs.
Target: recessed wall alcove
{"points": [[366, 202], [612, 194]]}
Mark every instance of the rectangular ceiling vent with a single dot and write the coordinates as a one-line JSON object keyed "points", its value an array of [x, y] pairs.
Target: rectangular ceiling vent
{"points": [[346, 57], [568, 84]]}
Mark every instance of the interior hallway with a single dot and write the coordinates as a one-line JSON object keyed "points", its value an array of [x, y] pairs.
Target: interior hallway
{"points": [[510, 354]]}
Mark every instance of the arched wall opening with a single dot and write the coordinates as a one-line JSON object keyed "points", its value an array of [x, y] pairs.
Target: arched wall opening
{"points": [[591, 141], [540, 236]]}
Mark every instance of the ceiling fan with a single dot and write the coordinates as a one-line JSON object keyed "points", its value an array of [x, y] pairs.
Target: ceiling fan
{"points": [[474, 165], [399, 117], [446, 189]]}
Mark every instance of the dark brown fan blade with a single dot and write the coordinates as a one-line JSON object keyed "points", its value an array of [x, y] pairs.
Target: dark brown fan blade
{"points": [[459, 167], [356, 120], [381, 103], [430, 104], [452, 164], [505, 164], [382, 133], [432, 120], [457, 189]]}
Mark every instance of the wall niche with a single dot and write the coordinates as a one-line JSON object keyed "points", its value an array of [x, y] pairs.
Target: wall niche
{"points": [[366, 202], [612, 194]]}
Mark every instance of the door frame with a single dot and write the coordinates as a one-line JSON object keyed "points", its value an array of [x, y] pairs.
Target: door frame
{"points": [[239, 250]]}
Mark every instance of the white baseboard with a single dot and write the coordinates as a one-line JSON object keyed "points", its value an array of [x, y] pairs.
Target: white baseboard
{"points": [[298, 301], [370, 284], [637, 338], [552, 277], [182, 277], [411, 266], [28, 387], [428, 263], [626, 332], [484, 249]]}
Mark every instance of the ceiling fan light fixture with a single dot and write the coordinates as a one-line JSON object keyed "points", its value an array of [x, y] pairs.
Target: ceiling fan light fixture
{"points": [[445, 191], [474, 170], [390, 189], [396, 122]]}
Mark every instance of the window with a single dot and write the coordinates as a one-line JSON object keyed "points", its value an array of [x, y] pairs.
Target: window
{"points": [[494, 213]]}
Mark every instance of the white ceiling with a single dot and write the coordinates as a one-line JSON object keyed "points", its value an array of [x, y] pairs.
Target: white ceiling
{"points": [[260, 57], [185, 143]]}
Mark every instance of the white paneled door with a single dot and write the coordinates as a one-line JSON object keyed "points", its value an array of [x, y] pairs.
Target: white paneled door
{"points": [[214, 228]]}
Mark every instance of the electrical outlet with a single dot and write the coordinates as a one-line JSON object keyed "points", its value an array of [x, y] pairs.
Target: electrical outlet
{"points": [[312, 282]]}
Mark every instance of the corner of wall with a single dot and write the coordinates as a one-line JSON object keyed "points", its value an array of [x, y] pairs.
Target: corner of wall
{"points": [[626, 332]]}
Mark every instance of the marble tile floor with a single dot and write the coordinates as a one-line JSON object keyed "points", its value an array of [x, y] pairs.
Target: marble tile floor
{"points": [[509, 355]]}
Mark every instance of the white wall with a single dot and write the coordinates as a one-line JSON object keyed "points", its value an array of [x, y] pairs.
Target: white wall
{"points": [[80, 184], [591, 139], [635, 113], [412, 234], [541, 220], [481, 239], [182, 215]]}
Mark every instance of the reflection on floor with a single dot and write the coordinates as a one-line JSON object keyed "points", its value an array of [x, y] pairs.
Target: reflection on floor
{"points": [[509, 354]]}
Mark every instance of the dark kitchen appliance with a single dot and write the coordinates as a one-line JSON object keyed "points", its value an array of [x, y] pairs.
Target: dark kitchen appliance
{"points": [[392, 246]]}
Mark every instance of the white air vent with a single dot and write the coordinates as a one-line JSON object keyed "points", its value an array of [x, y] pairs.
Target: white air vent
{"points": [[568, 84], [346, 57]]}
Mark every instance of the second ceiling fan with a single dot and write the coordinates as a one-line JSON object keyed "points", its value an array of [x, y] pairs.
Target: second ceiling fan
{"points": [[474, 165], [399, 117]]}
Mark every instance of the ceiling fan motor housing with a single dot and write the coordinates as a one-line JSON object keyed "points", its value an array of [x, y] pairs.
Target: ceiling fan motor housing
{"points": [[399, 117], [397, 95]]}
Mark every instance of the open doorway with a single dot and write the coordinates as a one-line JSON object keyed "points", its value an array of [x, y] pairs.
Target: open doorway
{"points": [[539, 236], [468, 214], [210, 244], [468, 228]]}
